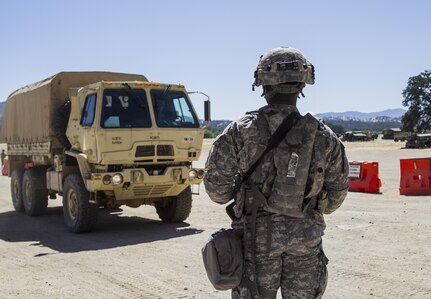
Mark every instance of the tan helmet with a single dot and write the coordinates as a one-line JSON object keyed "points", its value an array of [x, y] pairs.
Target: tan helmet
{"points": [[284, 65]]}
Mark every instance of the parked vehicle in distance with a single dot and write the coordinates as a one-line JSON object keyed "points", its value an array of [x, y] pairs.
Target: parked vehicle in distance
{"points": [[395, 134], [359, 136], [400, 136], [416, 140]]}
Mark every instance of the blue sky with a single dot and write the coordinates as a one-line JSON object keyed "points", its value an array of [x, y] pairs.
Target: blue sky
{"points": [[363, 51]]}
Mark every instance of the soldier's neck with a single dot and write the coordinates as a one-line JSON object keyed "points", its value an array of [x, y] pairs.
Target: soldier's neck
{"points": [[283, 99]]}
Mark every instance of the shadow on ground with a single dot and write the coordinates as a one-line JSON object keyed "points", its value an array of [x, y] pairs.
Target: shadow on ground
{"points": [[113, 230]]}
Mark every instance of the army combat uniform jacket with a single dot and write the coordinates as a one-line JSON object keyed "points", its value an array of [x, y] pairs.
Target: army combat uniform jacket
{"points": [[304, 177]]}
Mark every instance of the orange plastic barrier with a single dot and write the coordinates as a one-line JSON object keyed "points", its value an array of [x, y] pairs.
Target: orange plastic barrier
{"points": [[415, 176], [5, 169], [364, 177]]}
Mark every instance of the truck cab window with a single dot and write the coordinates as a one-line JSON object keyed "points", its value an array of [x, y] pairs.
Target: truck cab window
{"points": [[125, 108], [173, 109], [89, 109]]}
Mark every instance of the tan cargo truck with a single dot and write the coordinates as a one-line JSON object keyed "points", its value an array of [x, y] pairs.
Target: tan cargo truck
{"points": [[102, 139]]}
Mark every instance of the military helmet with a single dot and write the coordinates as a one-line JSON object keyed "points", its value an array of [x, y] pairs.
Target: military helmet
{"points": [[283, 65]]}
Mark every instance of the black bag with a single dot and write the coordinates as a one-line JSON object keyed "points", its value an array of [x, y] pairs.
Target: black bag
{"points": [[223, 260]]}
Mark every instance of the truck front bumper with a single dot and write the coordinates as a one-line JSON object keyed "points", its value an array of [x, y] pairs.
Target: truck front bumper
{"points": [[137, 183]]}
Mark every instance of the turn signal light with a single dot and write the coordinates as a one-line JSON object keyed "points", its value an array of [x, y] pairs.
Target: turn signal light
{"points": [[107, 179]]}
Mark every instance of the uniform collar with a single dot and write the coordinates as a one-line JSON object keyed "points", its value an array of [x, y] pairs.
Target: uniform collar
{"points": [[277, 108]]}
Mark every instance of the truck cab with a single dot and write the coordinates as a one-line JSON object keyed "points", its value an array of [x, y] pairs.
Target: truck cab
{"points": [[139, 140]]}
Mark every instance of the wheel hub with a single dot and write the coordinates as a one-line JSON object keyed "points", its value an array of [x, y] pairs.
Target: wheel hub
{"points": [[27, 191], [15, 188], [71, 204]]}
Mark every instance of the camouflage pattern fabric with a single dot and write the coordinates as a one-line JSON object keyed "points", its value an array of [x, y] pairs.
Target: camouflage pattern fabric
{"points": [[292, 260], [288, 250], [281, 65]]}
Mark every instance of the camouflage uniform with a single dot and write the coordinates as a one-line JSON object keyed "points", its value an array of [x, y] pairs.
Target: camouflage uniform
{"points": [[288, 248]]}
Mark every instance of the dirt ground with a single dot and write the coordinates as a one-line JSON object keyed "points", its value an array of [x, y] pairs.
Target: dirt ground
{"points": [[379, 245]]}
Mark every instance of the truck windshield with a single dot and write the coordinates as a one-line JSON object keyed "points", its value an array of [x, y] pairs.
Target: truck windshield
{"points": [[173, 109], [125, 108]]}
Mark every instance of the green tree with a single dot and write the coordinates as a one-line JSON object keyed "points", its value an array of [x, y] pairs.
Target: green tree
{"points": [[417, 96], [335, 127], [208, 133]]}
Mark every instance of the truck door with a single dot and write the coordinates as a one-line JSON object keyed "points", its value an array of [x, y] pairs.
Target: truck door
{"points": [[123, 111], [87, 128]]}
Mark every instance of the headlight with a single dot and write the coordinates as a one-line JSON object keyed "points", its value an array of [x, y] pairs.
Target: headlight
{"points": [[200, 173], [192, 175], [117, 179]]}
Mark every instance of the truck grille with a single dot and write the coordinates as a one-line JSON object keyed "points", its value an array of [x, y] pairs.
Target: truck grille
{"points": [[149, 150], [151, 190], [145, 151], [165, 150]]}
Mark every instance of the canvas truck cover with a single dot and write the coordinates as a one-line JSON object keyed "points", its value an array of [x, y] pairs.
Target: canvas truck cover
{"points": [[29, 111]]}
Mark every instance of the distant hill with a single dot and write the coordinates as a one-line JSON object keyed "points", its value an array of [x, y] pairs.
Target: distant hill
{"points": [[343, 121], [385, 115], [361, 121]]}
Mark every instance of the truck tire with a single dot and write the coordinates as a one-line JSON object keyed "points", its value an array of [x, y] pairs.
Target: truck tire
{"points": [[34, 192], [175, 208], [80, 215], [16, 189], [59, 123]]}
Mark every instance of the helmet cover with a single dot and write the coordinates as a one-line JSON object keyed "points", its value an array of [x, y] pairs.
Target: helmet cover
{"points": [[283, 65]]}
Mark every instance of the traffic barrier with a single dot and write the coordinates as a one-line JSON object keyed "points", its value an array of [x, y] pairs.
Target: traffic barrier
{"points": [[364, 177], [415, 176], [5, 168]]}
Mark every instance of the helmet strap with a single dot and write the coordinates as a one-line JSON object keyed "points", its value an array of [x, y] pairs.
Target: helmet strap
{"points": [[302, 94]]}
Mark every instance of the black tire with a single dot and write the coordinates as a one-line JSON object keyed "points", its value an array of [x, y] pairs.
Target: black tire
{"points": [[80, 215], [34, 192], [175, 208], [59, 123], [16, 189]]}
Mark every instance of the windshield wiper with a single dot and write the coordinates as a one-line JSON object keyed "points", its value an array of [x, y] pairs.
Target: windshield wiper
{"points": [[165, 91], [135, 95], [160, 97]]}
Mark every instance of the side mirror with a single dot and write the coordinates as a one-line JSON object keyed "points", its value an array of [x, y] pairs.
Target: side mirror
{"points": [[207, 104]]}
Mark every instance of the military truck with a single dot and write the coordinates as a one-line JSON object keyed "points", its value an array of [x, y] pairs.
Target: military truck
{"points": [[395, 133], [400, 136], [357, 136], [102, 139], [418, 140]]}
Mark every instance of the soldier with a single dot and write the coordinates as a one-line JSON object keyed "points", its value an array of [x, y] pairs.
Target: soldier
{"points": [[3, 156], [297, 182]]}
